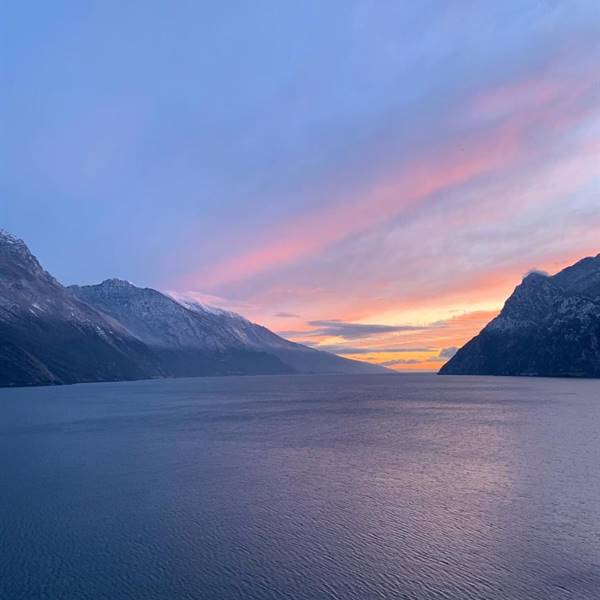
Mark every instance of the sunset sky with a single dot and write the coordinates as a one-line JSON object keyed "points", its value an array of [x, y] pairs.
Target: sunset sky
{"points": [[370, 178]]}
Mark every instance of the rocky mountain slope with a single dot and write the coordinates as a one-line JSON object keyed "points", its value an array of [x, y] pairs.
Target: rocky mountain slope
{"points": [[550, 326], [301, 358], [48, 336], [115, 331], [183, 332]]}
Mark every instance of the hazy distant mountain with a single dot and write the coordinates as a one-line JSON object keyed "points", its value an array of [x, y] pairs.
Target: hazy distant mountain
{"points": [[114, 330], [550, 326], [186, 334], [301, 358]]}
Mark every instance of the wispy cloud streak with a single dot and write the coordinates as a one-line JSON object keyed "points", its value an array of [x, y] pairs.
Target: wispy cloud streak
{"points": [[501, 128]]}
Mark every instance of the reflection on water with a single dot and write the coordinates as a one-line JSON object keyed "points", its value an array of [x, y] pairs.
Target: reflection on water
{"points": [[410, 487]]}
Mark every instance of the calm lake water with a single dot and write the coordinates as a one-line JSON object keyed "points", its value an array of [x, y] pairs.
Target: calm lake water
{"points": [[411, 487]]}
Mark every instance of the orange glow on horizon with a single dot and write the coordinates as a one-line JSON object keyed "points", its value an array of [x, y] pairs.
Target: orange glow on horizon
{"points": [[502, 154]]}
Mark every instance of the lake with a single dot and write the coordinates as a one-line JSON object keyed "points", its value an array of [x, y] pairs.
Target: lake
{"points": [[325, 487]]}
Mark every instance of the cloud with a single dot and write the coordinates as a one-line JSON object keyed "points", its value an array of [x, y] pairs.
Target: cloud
{"points": [[397, 362], [415, 361], [537, 272], [401, 361], [443, 222], [408, 186], [339, 349], [232, 305], [497, 129], [448, 352], [351, 331], [287, 315]]}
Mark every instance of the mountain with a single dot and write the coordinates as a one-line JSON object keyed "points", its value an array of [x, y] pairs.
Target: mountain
{"points": [[50, 334], [187, 334], [550, 326], [301, 358], [185, 342]]}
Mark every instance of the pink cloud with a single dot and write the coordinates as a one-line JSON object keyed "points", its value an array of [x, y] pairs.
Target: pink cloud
{"points": [[536, 105]]}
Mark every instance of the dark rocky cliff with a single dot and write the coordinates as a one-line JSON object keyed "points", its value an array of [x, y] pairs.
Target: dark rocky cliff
{"points": [[550, 326]]}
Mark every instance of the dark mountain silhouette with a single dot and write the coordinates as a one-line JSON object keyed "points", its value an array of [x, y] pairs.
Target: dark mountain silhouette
{"points": [[550, 326]]}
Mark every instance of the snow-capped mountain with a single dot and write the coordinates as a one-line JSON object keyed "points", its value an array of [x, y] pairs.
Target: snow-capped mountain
{"points": [[48, 336], [183, 327], [115, 330], [549, 326], [301, 358], [185, 342]]}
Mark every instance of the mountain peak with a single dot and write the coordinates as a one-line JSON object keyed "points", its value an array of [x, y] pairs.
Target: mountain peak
{"points": [[549, 326], [11, 243], [8, 238], [115, 282], [17, 263]]}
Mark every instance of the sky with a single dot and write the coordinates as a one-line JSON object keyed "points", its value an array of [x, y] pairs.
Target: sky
{"points": [[370, 178]]}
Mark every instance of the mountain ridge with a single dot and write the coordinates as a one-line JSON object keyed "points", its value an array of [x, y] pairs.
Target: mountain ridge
{"points": [[51, 334], [191, 326], [47, 336], [549, 326]]}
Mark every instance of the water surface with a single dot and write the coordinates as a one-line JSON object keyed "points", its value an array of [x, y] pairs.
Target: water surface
{"points": [[339, 487]]}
